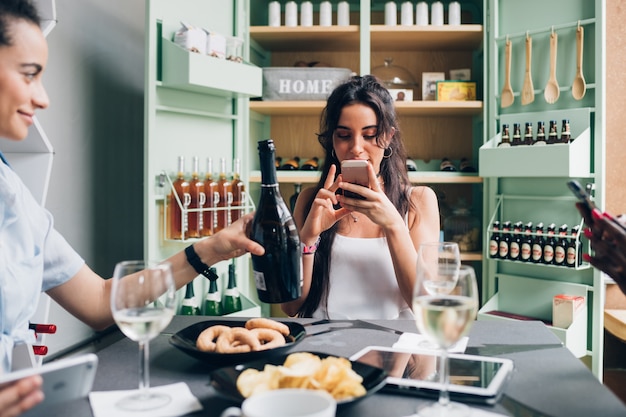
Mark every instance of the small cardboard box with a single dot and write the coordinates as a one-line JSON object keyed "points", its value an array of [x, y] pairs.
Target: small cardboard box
{"points": [[456, 91], [565, 309]]}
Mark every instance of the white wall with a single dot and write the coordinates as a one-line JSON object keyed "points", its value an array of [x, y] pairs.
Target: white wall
{"points": [[95, 80]]}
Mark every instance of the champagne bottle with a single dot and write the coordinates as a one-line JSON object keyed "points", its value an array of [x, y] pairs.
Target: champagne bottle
{"points": [[198, 199], [179, 201], [232, 300], [226, 198], [294, 197], [212, 199], [239, 192], [278, 273], [189, 306], [212, 299]]}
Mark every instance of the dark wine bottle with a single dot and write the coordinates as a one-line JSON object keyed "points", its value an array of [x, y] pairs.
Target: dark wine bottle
{"points": [[278, 273], [212, 299], [294, 197], [232, 300], [310, 164], [189, 306]]}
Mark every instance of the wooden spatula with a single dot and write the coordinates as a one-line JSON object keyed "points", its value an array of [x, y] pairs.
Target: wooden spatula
{"points": [[528, 91], [506, 97]]}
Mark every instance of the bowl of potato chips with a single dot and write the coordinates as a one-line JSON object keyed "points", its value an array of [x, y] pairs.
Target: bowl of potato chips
{"points": [[345, 380]]}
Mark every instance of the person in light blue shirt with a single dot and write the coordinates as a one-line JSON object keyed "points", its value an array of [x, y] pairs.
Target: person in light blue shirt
{"points": [[34, 257]]}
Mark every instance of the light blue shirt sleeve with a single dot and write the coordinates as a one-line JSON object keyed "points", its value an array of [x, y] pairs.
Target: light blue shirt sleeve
{"points": [[34, 257]]}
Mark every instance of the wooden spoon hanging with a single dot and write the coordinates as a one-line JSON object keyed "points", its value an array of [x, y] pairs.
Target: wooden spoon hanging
{"points": [[579, 87], [528, 91], [506, 97], [551, 92]]}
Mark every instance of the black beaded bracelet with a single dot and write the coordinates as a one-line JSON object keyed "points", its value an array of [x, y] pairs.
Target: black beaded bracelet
{"points": [[197, 264]]}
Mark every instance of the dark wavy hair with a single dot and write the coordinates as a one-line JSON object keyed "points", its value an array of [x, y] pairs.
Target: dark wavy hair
{"points": [[369, 91], [12, 10]]}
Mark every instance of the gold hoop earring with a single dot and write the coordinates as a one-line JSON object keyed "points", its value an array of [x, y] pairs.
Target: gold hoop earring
{"points": [[387, 155]]}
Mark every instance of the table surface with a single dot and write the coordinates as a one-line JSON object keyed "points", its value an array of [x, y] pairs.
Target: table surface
{"points": [[548, 381]]}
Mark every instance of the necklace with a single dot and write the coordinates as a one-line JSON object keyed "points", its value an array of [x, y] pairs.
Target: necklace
{"points": [[355, 218]]}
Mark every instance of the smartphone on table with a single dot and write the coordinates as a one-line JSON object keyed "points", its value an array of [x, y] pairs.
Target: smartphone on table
{"points": [[354, 171]]}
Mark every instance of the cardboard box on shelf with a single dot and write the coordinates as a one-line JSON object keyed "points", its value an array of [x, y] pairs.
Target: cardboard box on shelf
{"points": [[456, 91], [565, 309]]}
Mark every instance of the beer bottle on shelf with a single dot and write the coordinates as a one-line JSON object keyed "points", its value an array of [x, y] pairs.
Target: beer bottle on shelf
{"points": [[446, 165], [566, 136], [526, 249], [494, 241], [198, 199], [541, 134], [506, 137], [277, 273], [189, 306], [516, 242], [560, 250], [528, 134], [225, 191], [232, 300], [549, 245], [294, 197], [212, 299], [538, 242], [291, 164], [574, 255], [239, 192], [411, 166], [310, 164], [505, 241], [553, 136], [179, 201], [212, 199], [517, 135]]}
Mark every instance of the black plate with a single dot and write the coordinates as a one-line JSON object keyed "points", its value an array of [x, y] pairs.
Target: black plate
{"points": [[225, 379], [185, 340]]}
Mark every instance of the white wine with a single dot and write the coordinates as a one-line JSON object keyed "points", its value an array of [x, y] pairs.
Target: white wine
{"points": [[444, 319], [277, 273], [143, 324], [212, 300], [189, 306]]}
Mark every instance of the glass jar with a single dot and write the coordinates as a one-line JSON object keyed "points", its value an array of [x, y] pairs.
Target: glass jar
{"points": [[394, 76], [463, 228]]}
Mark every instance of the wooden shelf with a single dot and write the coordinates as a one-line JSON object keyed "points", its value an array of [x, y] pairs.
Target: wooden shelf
{"points": [[346, 38], [430, 177], [311, 38], [471, 256], [400, 38], [407, 108]]}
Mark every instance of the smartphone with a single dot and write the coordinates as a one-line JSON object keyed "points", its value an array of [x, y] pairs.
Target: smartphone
{"points": [[584, 197], [63, 380], [355, 171]]}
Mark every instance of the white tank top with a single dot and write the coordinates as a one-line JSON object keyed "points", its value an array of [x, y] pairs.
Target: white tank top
{"points": [[362, 282]]}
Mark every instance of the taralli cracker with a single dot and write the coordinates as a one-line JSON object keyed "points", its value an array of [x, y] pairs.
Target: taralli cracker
{"points": [[256, 335], [305, 370]]}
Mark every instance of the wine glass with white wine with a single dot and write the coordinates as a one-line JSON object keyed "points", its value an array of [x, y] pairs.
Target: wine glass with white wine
{"points": [[445, 306], [143, 298]]}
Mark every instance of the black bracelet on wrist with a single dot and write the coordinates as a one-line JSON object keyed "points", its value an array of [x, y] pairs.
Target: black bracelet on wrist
{"points": [[197, 264]]}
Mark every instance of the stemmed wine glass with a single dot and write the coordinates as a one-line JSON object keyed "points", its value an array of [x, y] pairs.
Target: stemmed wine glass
{"points": [[143, 303], [445, 303]]}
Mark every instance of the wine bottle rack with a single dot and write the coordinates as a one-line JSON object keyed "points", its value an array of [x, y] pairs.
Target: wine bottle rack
{"points": [[166, 182]]}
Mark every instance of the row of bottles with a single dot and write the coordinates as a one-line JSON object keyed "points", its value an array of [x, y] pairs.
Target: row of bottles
{"points": [[520, 243], [293, 164], [541, 138], [213, 304], [202, 206]]}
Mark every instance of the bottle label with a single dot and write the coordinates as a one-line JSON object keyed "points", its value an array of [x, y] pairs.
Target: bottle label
{"points": [[559, 255], [212, 296], [504, 249], [514, 250], [493, 248], [537, 252], [259, 281], [526, 251], [571, 256], [548, 253]]}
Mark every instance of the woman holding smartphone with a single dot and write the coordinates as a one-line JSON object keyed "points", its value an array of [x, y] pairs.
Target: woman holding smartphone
{"points": [[360, 252], [34, 257]]}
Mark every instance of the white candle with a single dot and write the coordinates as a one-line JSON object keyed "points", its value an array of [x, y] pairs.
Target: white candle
{"points": [[291, 14], [406, 14], [436, 10], [454, 13], [391, 13], [343, 13], [274, 13], [421, 14], [326, 14], [306, 13]]}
